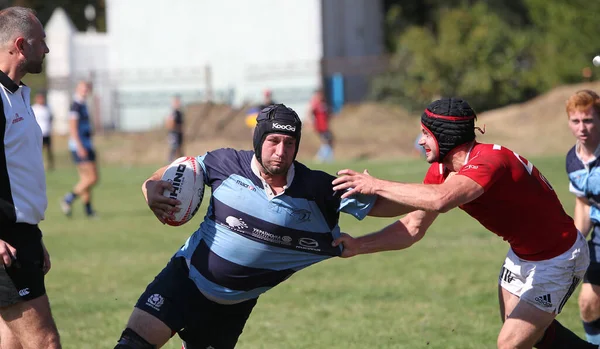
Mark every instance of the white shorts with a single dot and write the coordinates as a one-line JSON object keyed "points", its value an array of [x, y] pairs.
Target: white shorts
{"points": [[547, 284]]}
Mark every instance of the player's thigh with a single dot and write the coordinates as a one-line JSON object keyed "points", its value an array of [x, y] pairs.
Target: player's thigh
{"points": [[32, 323], [149, 327], [524, 326], [508, 302], [7, 338], [215, 325]]}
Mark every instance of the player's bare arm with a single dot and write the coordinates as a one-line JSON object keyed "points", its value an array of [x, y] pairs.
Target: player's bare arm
{"points": [[81, 151], [455, 191], [387, 208], [396, 236], [153, 189], [582, 215]]}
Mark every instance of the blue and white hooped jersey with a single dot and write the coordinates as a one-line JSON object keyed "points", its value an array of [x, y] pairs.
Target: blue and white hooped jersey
{"points": [[584, 181], [250, 242]]}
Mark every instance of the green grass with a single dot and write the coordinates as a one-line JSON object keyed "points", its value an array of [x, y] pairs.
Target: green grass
{"points": [[441, 293]]}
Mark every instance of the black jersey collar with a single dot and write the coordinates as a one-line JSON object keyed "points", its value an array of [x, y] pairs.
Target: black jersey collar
{"points": [[8, 83]]}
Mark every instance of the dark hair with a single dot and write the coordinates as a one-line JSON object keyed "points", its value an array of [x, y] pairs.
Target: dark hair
{"points": [[16, 21]]}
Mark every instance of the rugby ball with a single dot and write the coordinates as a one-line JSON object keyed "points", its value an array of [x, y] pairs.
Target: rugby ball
{"points": [[187, 177]]}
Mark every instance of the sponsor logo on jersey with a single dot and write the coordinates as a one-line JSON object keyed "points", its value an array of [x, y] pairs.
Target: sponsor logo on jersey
{"points": [[236, 223], [308, 242], [17, 118], [245, 185]]}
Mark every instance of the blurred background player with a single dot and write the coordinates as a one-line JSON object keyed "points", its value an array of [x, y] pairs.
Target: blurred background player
{"points": [[319, 115], [174, 124], [267, 100], [82, 151], [43, 115], [252, 113], [583, 169]]}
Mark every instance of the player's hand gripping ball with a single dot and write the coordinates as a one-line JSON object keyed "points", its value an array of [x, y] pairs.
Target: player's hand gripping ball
{"points": [[187, 177]]}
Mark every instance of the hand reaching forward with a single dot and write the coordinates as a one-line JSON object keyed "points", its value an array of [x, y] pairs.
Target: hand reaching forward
{"points": [[355, 183], [162, 206], [349, 244]]}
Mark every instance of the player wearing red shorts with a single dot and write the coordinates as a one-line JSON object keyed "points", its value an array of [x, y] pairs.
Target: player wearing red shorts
{"points": [[507, 195]]}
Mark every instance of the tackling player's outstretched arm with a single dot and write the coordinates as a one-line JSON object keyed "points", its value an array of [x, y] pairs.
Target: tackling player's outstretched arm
{"points": [[396, 236], [582, 215], [455, 191]]}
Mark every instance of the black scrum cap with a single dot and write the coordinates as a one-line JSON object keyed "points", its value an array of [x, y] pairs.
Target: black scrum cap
{"points": [[276, 118], [452, 123]]}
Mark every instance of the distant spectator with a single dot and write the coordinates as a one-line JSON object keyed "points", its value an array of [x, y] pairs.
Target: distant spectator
{"points": [[43, 115], [83, 152], [319, 116], [267, 100], [174, 125]]}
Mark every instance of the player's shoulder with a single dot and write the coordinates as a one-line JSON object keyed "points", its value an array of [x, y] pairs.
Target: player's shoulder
{"points": [[228, 157], [314, 183], [315, 176], [572, 161]]}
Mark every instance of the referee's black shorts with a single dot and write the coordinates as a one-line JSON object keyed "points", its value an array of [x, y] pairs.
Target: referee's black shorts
{"points": [[24, 279]]}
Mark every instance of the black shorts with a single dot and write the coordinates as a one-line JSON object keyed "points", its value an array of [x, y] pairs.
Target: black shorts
{"points": [[174, 299], [24, 279], [91, 156], [47, 141], [175, 140]]}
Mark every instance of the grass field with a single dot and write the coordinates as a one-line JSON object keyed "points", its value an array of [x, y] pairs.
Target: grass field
{"points": [[441, 293]]}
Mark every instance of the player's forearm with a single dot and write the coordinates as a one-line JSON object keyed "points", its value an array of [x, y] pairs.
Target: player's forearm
{"points": [[396, 236], [384, 207], [415, 196]]}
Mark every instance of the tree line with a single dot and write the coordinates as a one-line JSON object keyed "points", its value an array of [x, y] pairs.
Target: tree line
{"points": [[491, 52]]}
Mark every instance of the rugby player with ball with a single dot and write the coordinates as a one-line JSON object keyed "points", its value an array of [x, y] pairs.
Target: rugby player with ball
{"points": [[268, 217]]}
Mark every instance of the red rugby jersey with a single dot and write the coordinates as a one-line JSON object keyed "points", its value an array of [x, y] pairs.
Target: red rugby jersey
{"points": [[518, 203]]}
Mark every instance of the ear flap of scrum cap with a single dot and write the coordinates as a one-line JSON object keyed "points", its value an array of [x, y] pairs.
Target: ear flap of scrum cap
{"points": [[276, 118]]}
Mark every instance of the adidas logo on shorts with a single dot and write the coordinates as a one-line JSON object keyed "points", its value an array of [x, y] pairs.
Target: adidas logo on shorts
{"points": [[544, 300]]}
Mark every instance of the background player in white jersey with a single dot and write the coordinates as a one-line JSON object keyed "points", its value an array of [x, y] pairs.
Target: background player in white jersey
{"points": [[583, 169], [269, 217], [43, 115], [506, 194], [25, 318]]}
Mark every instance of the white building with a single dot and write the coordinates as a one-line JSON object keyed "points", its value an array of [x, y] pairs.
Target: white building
{"points": [[226, 50]]}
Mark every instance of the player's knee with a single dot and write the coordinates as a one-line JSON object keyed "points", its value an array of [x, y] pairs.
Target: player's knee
{"points": [[589, 307], [131, 340]]}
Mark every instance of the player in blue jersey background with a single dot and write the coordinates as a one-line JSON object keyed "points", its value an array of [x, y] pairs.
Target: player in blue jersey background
{"points": [[269, 216], [583, 169]]}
